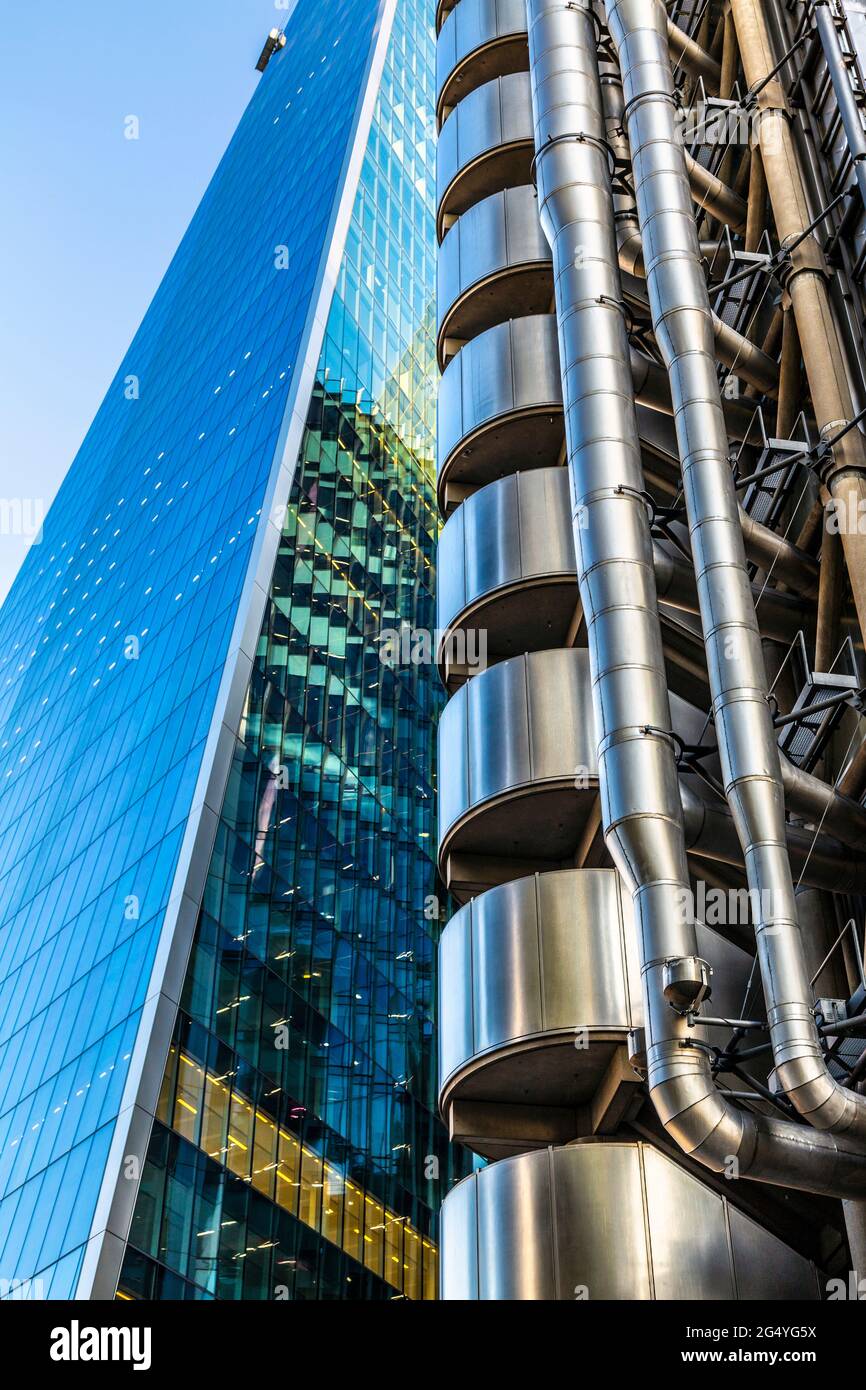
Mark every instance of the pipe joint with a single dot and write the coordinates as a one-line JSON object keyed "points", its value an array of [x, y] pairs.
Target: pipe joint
{"points": [[577, 137], [801, 256]]}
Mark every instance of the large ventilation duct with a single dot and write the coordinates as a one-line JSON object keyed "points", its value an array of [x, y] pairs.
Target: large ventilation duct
{"points": [[641, 808], [747, 745]]}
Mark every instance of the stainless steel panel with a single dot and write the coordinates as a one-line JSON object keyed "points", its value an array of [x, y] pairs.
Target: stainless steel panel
{"points": [[688, 1233], [492, 554], [572, 1223], [450, 265], [561, 719], [515, 1245], [458, 1275], [446, 49], [452, 592], [453, 764], [509, 368], [492, 115], [516, 101], [488, 377], [512, 531], [506, 986], [449, 408], [544, 512], [583, 969], [547, 954], [497, 234], [471, 25], [540, 701], [535, 355], [456, 1040], [600, 1228], [447, 156], [767, 1268], [498, 750], [732, 969]]}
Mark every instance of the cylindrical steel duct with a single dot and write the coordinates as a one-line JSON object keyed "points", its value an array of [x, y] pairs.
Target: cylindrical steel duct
{"points": [[693, 58], [641, 807], [748, 750]]}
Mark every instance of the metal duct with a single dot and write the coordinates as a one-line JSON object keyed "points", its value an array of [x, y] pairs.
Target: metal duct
{"points": [[737, 352], [779, 556], [820, 861], [715, 197], [833, 812], [747, 745], [693, 58], [782, 615], [766, 548], [637, 769]]}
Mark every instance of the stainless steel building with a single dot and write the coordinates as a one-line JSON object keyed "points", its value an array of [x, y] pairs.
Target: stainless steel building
{"points": [[651, 608]]}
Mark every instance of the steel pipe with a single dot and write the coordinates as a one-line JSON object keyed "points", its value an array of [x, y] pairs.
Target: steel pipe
{"points": [[641, 810], [819, 861], [782, 616], [714, 196], [748, 750], [828, 807], [694, 59]]}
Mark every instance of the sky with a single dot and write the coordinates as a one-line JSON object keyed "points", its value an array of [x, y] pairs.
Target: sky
{"points": [[90, 217]]}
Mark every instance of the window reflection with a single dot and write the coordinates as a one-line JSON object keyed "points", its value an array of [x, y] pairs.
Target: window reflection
{"points": [[209, 1112]]}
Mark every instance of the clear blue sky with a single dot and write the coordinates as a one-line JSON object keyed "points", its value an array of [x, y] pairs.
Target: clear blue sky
{"points": [[91, 219]]}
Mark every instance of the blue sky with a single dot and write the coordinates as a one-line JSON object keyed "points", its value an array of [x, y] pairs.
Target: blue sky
{"points": [[91, 219]]}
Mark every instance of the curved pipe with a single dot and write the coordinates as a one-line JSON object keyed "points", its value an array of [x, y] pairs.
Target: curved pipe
{"points": [[638, 779], [747, 745], [776, 555], [834, 812], [764, 547], [820, 862], [782, 615], [716, 197], [694, 59]]}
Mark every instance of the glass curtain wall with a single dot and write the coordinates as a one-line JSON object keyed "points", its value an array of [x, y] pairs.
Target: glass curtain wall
{"points": [[297, 1152], [115, 635]]}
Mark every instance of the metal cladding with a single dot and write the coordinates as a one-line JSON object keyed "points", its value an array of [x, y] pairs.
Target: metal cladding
{"points": [[747, 742], [549, 1203], [689, 652]]}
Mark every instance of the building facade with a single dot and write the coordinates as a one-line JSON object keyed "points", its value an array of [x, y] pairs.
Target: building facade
{"points": [[650, 451], [232, 863]]}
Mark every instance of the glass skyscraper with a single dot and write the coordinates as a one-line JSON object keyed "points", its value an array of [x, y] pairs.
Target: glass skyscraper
{"points": [[218, 902]]}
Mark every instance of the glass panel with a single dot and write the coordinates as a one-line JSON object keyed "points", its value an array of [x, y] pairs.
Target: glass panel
{"points": [[315, 952], [114, 637], [374, 1234], [188, 1098], [240, 1137], [264, 1154]]}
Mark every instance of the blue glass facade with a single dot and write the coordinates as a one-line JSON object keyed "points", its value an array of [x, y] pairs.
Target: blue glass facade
{"points": [[296, 1152], [118, 639]]}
